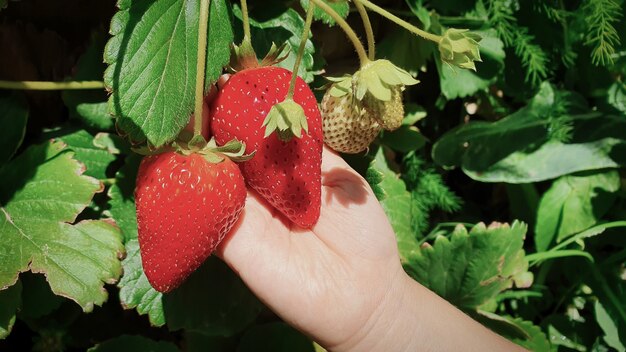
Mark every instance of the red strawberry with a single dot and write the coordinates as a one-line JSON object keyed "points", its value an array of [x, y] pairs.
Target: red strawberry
{"points": [[286, 174], [185, 206]]}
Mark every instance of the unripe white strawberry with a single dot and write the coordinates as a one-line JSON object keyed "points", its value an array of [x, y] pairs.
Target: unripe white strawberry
{"points": [[348, 126], [389, 114]]}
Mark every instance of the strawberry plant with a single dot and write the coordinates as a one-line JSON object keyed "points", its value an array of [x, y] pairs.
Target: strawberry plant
{"points": [[492, 133]]}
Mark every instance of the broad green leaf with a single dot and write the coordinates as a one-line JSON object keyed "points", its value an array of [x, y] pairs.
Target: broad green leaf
{"points": [[222, 304], [13, 118], [572, 204], [10, 301], [517, 148], [43, 192], [522, 332], [277, 337], [470, 269], [95, 115], [396, 201], [128, 343], [96, 159], [123, 198], [198, 342], [342, 7], [404, 139], [560, 339], [89, 106], [609, 327], [220, 36], [152, 64], [276, 23], [458, 83], [135, 290]]}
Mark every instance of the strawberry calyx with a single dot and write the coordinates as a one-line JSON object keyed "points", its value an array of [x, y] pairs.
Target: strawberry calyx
{"points": [[244, 57], [379, 79], [287, 118], [234, 150]]}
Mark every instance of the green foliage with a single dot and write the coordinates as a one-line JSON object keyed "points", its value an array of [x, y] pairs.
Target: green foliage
{"points": [[601, 34], [537, 133], [38, 232]]}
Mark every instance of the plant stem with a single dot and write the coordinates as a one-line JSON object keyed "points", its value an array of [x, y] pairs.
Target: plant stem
{"points": [[47, 85], [371, 48], [201, 66], [246, 20], [360, 50], [303, 39], [400, 22]]}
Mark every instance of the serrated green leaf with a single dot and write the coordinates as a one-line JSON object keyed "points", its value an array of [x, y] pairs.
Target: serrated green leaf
{"points": [[609, 327], [89, 106], [128, 343], [42, 194], [223, 305], [616, 96], [135, 289], [220, 36], [573, 204], [395, 199], [122, 197], [342, 7], [413, 114], [469, 269], [412, 55], [276, 337], [280, 25], [10, 301], [95, 115], [152, 65], [96, 159], [13, 118]]}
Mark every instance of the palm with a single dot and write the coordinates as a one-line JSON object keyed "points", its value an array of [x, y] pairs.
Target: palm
{"points": [[306, 276]]}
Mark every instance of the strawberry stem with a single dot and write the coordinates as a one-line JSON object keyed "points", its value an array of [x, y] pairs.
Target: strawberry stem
{"points": [[371, 48], [358, 46], [48, 85], [246, 21], [303, 39], [400, 22], [200, 66]]}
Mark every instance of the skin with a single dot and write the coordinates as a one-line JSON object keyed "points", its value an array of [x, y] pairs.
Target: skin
{"points": [[341, 282]]}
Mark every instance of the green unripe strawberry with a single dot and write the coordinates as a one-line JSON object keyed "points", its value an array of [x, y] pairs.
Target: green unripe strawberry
{"points": [[348, 126], [390, 113]]}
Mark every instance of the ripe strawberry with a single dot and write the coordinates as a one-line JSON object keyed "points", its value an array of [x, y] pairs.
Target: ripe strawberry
{"points": [[286, 174], [185, 206], [348, 127]]}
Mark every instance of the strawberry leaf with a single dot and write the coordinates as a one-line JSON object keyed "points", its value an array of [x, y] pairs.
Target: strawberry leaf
{"points": [[469, 269], [133, 343], [152, 64], [95, 158], [135, 290], [395, 199], [10, 301], [13, 117], [43, 192]]}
